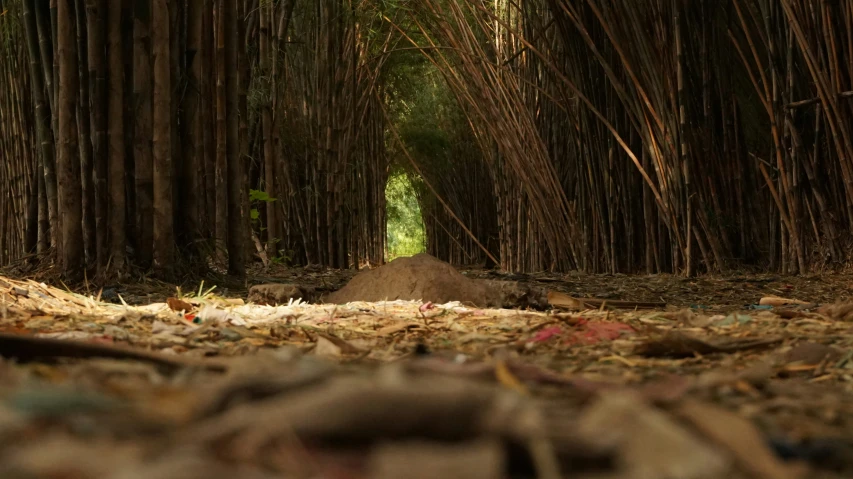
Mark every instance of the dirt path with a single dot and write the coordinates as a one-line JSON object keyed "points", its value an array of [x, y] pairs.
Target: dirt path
{"points": [[712, 386]]}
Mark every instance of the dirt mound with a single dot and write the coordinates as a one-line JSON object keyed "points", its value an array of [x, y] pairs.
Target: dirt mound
{"points": [[420, 277]]}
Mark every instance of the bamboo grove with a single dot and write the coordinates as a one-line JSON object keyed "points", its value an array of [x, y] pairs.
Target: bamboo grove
{"points": [[154, 133], [660, 136], [680, 136]]}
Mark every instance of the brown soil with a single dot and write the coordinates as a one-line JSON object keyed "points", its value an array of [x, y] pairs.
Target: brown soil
{"points": [[420, 277]]}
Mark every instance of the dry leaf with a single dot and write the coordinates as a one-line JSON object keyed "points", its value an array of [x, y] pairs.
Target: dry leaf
{"points": [[738, 436], [365, 410], [29, 348], [812, 354], [679, 345], [477, 460], [397, 327], [327, 348], [508, 379], [344, 346], [176, 304], [777, 301], [688, 318], [564, 301], [665, 390], [838, 312], [650, 444]]}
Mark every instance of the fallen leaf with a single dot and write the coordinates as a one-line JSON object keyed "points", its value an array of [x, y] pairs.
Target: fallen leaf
{"points": [[397, 327], [812, 354], [344, 346], [564, 301], [29, 348], [617, 304], [483, 459], [649, 443], [777, 301], [370, 410], [738, 436], [755, 375], [327, 348], [665, 390], [838, 312], [685, 316], [790, 314], [475, 337], [733, 319], [535, 374], [680, 345], [178, 305], [283, 331], [508, 379]]}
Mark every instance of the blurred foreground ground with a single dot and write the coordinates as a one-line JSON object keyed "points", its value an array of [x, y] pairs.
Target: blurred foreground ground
{"points": [[200, 384]]}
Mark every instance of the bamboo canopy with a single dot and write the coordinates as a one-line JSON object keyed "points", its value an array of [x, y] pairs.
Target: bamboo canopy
{"points": [[676, 131]]}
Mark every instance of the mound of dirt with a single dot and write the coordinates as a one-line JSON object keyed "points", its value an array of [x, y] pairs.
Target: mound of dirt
{"points": [[420, 277]]}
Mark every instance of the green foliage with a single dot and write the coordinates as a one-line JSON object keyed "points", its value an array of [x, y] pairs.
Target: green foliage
{"points": [[259, 195], [438, 137], [431, 124], [11, 29], [256, 197], [372, 17], [424, 111], [405, 225]]}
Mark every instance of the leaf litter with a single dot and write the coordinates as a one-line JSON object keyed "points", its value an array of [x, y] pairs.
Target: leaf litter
{"points": [[651, 385]]}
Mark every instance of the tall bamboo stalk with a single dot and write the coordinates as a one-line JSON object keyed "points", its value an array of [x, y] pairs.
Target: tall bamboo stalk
{"points": [[71, 247], [116, 139], [163, 225], [143, 123]]}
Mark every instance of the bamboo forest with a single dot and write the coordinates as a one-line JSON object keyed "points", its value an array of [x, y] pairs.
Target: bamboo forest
{"points": [[601, 136], [429, 238]]}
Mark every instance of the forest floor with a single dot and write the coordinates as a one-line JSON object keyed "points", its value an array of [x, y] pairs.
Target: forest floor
{"points": [[200, 384]]}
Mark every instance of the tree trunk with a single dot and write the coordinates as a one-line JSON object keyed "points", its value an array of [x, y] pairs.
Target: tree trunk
{"points": [[70, 192]]}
